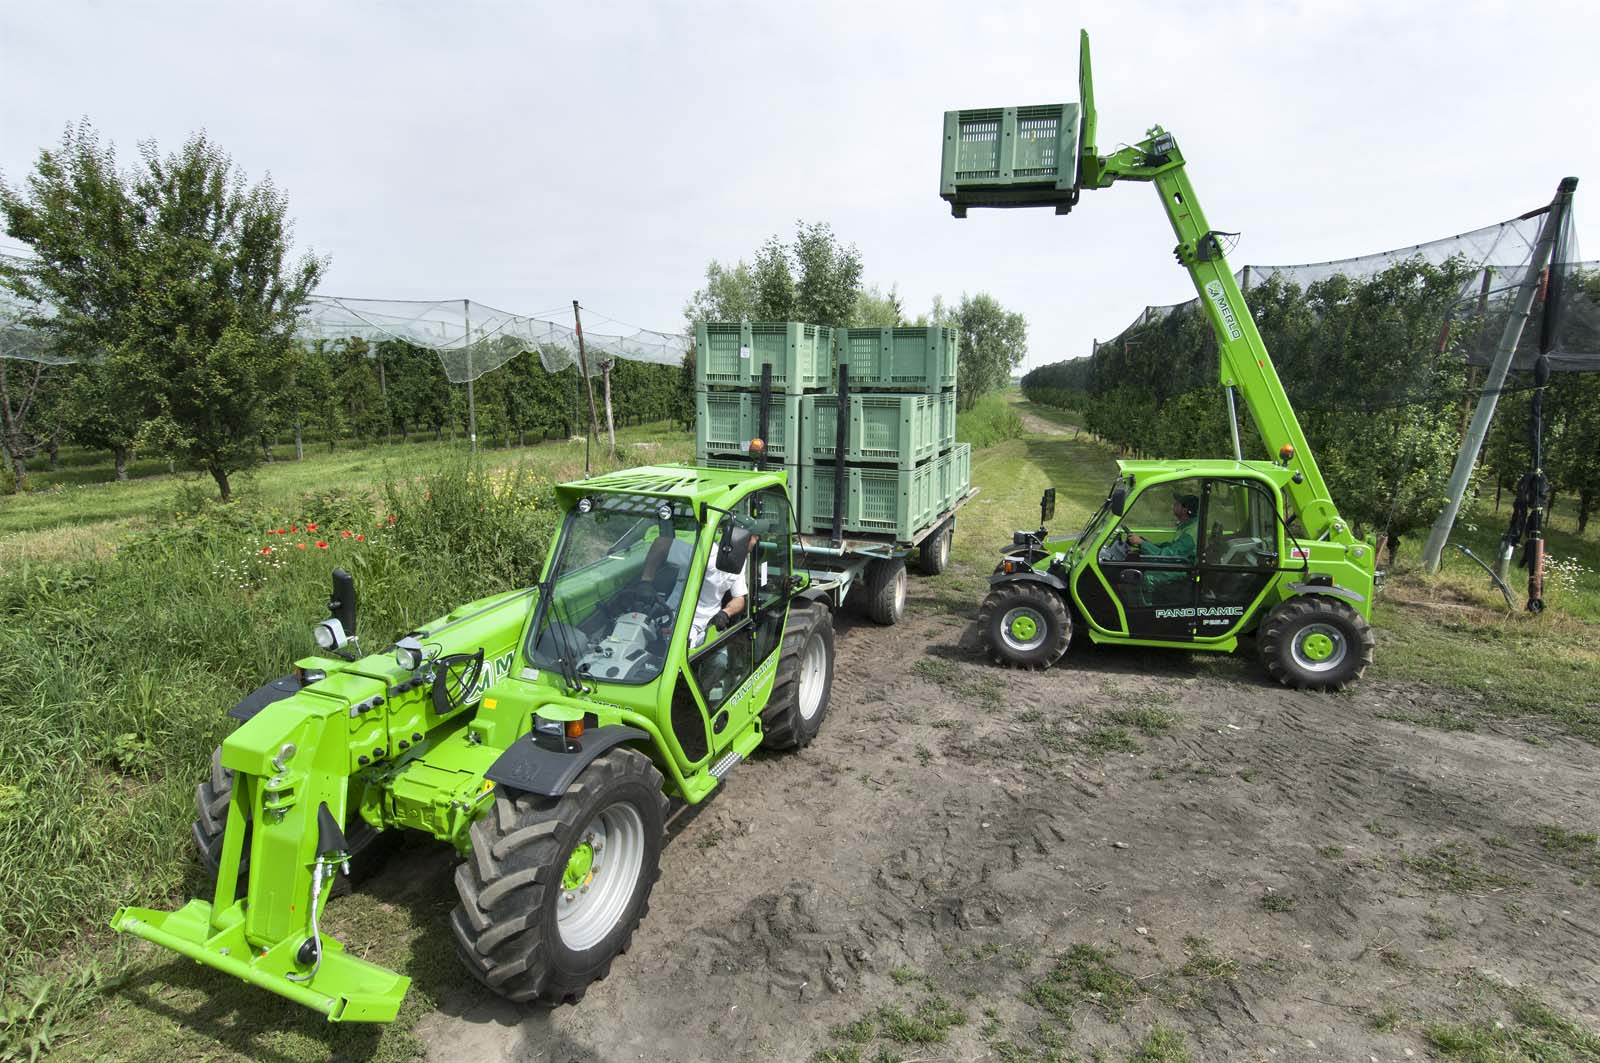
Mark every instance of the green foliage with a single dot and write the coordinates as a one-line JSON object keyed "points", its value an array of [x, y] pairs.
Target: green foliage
{"points": [[988, 421], [813, 278], [178, 273], [1086, 975], [994, 341], [1359, 358]]}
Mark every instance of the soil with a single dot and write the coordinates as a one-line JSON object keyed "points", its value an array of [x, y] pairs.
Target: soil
{"points": [[1279, 875]]}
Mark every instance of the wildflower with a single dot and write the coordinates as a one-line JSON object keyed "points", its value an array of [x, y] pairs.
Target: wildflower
{"points": [[266, 550], [360, 538], [299, 546], [276, 531], [345, 534], [293, 528], [311, 527], [322, 544]]}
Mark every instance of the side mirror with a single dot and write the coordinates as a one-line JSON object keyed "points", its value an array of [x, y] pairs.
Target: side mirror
{"points": [[733, 546], [1119, 499], [1047, 505], [342, 605]]}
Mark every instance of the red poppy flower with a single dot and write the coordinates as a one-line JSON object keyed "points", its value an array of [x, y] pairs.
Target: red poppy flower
{"points": [[275, 531], [293, 528], [311, 527], [345, 534], [266, 549], [322, 544], [299, 546], [391, 518], [360, 538]]}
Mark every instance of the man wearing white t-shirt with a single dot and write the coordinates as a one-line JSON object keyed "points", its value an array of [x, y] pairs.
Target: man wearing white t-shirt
{"points": [[709, 611]]}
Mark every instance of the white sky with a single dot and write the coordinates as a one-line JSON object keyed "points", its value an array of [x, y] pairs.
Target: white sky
{"points": [[528, 154]]}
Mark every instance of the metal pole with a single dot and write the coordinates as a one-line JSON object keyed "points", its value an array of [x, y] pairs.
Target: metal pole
{"points": [[588, 386], [472, 402], [1495, 379]]}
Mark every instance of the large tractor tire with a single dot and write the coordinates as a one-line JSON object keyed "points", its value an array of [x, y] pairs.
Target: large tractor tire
{"points": [[211, 799], [1314, 642], [1025, 625], [886, 591], [555, 886], [933, 556], [804, 684]]}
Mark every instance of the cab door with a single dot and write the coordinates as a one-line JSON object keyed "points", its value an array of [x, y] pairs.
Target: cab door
{"points": [[733, 670], [1239, 553], [1154, 589]]}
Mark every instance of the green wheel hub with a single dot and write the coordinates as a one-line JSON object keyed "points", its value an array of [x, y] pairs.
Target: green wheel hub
{"points": [[1317, 646], [578, 865], [1024, 627]]}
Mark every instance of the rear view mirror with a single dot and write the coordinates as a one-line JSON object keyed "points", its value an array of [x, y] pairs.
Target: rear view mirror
{"points": [[733, 546], [1047, 505], [1119, 499]]}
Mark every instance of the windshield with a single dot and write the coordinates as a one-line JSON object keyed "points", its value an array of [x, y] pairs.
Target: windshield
{"points": [[1092, 530], [608, 606]]}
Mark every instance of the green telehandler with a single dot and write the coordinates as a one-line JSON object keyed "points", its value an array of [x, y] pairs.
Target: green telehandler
{"points": [[540, 732], [1189, 554]]}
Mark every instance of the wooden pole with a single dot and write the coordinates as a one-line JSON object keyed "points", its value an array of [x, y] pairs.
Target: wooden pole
{"points": [[588, 385]]}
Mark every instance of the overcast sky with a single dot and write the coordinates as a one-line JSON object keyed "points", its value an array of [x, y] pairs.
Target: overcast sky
{"points": [[524, 155]]}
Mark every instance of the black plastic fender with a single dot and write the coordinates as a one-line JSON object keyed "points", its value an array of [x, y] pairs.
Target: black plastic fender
{"points": [[264, 695], [1031, 576], [1329, 589], [533, 769]]}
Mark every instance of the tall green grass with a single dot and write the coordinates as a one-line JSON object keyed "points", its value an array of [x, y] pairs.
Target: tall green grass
{"points": [[115, 674], [991, 420]]}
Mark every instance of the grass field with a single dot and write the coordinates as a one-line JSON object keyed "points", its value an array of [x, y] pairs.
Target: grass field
{"points": [[132, 614]]}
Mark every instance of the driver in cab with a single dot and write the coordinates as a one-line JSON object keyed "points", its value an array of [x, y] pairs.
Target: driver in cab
{"points": [[709, 609], [1181, 547]]}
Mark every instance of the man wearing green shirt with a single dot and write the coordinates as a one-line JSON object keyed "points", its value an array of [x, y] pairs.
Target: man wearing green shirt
{"points": [[1181, 546]]}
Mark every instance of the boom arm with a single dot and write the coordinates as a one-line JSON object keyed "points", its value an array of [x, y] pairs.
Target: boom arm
{"points": [[1244, 362]]}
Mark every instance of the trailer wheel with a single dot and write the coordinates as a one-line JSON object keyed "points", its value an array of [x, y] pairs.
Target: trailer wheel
{"points": [[802, 689], [886, 591], [1025, 625], [211, 799], [1314, 642], [555, 886], [933, 556]]}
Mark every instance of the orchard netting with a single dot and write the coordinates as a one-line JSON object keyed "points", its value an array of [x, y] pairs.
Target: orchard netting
{"points": [[469, 338]]}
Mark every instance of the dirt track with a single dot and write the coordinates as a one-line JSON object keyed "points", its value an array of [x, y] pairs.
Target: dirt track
{"points": [[1280, 875]]}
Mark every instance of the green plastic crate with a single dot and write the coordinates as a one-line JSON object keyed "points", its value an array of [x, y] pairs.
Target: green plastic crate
{"points": [[889, 503], [801, 355], [910, 358], [1011, 157], [888, 429], [953, 477], [742, 461], [947, 421], [727, 421]]}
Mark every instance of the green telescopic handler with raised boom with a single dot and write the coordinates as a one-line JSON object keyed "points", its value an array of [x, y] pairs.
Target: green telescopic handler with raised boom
{"points": [[540, 732], [1185, 554]]}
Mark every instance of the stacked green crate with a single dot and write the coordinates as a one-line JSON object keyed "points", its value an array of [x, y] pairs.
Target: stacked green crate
{"points": [[729, 356], [877, 500], [898, 430]]}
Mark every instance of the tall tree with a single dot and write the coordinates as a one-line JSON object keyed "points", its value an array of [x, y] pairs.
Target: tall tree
{"points": [[179, 272], [875, 307], [994, 341]]}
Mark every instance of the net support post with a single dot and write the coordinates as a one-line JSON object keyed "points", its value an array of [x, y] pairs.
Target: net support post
{"points": [[1494, 380]]}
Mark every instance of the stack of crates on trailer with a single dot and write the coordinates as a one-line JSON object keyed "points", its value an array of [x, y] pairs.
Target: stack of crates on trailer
{"points": [[729, 356], [902, 467]]}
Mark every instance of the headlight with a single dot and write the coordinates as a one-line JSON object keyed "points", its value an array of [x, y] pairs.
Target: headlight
{"points": [[329, 634], [585, 504], [408, 653]]}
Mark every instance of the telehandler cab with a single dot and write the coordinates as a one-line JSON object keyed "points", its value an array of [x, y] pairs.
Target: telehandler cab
{"points": [[1191, 554], [540, 732]]}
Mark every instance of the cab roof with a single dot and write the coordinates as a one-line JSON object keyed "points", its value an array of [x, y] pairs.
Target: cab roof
{"points": [[1181, 467], [687, 483]]}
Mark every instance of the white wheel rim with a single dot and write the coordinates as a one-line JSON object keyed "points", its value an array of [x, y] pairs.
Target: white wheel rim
{"points": [[899, 591], [1009, 637], [944, 550], [1325, 664], [813, 677], [589, 912]]}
